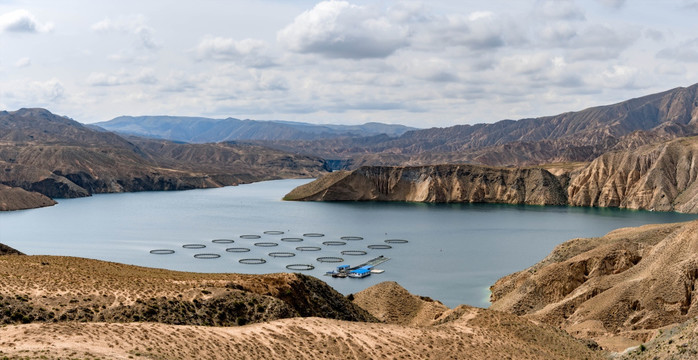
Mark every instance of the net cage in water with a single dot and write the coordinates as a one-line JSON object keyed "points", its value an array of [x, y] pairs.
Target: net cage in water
{"points": [[313, 235], [266, 244], [354, 252], [330, 259], [396, 241], [237, 249], [273, 232], [162, 251], [308, 248], [300, 267], [252, 261], [334, 243], [351, 238], [222, 241], [207, 256], [193, 246], [379, 246], [281, 254], [250, 237]]}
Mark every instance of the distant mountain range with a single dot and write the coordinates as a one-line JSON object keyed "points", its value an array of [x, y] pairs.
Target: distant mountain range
{"points": [[205, 130], [43, 156], [568, 137], [571, 136]]}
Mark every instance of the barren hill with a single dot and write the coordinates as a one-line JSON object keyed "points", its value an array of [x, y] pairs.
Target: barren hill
{"points": [[617, 289], [571, 136], [392, 304], [76, 307], [439, 183], [661, 176], [57, 157]]}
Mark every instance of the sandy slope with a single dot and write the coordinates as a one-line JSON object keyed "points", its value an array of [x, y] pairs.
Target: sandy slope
{"points": [[618, 289], [471, 334]]}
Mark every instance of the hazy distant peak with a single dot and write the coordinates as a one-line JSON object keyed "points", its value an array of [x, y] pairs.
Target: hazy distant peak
{"points": [[201, 129]]}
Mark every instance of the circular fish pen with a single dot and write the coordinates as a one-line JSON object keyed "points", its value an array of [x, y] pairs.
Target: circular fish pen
{"points": [[396, 241], [274, 232], [380, 246], [206, 256], [162, 251], [193, 246], [300, 267], [313, 235], [354, 252], [330, 259], [281, 254], [351, 238], [252, 261], [223, 241], [292, 239], [237, 250], [333, 243], [250, 237], [266, 244], [308, 248]]}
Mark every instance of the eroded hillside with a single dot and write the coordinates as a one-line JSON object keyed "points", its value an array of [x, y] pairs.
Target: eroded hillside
{"points": [[42, 153], [652, 177], [617, 289]]}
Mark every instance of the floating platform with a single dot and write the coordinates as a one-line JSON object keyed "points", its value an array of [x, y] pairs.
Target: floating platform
{"points": [[358, 271]]}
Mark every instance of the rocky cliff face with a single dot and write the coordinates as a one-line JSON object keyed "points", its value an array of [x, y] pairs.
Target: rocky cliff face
{"points": [[652, 177], [442, 183], [660, 177], [617, 289]]}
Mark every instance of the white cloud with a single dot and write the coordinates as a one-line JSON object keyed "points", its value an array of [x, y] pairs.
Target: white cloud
{"points": [[22, 21], [23, 62], [338, 29], [559, 9], [426, 68], [527, 63], [134, 25], [44, 92], [601, 42], [613, 3], [145, 76], [686, 52], [250, 52]]}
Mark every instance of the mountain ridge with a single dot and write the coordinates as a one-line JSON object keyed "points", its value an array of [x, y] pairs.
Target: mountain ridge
{"points": [[58, 157], [204, 130]]}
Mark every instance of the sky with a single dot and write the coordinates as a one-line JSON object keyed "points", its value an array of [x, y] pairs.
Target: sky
{"points": [[417, 63]]}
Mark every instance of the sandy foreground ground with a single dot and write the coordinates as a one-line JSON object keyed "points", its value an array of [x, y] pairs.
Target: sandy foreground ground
{"points": [[474, 334]]}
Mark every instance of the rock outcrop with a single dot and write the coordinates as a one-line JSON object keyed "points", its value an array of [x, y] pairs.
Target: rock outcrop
{"points": [[617, 289], [440, 183], [6, 250], [658, 177], [15, 198]]}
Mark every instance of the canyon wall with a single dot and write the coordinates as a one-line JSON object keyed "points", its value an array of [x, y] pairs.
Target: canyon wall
{"points": [[658, 177]]}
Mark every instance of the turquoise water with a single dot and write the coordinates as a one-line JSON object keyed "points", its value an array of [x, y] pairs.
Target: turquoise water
{"points": [[455, 251]]}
